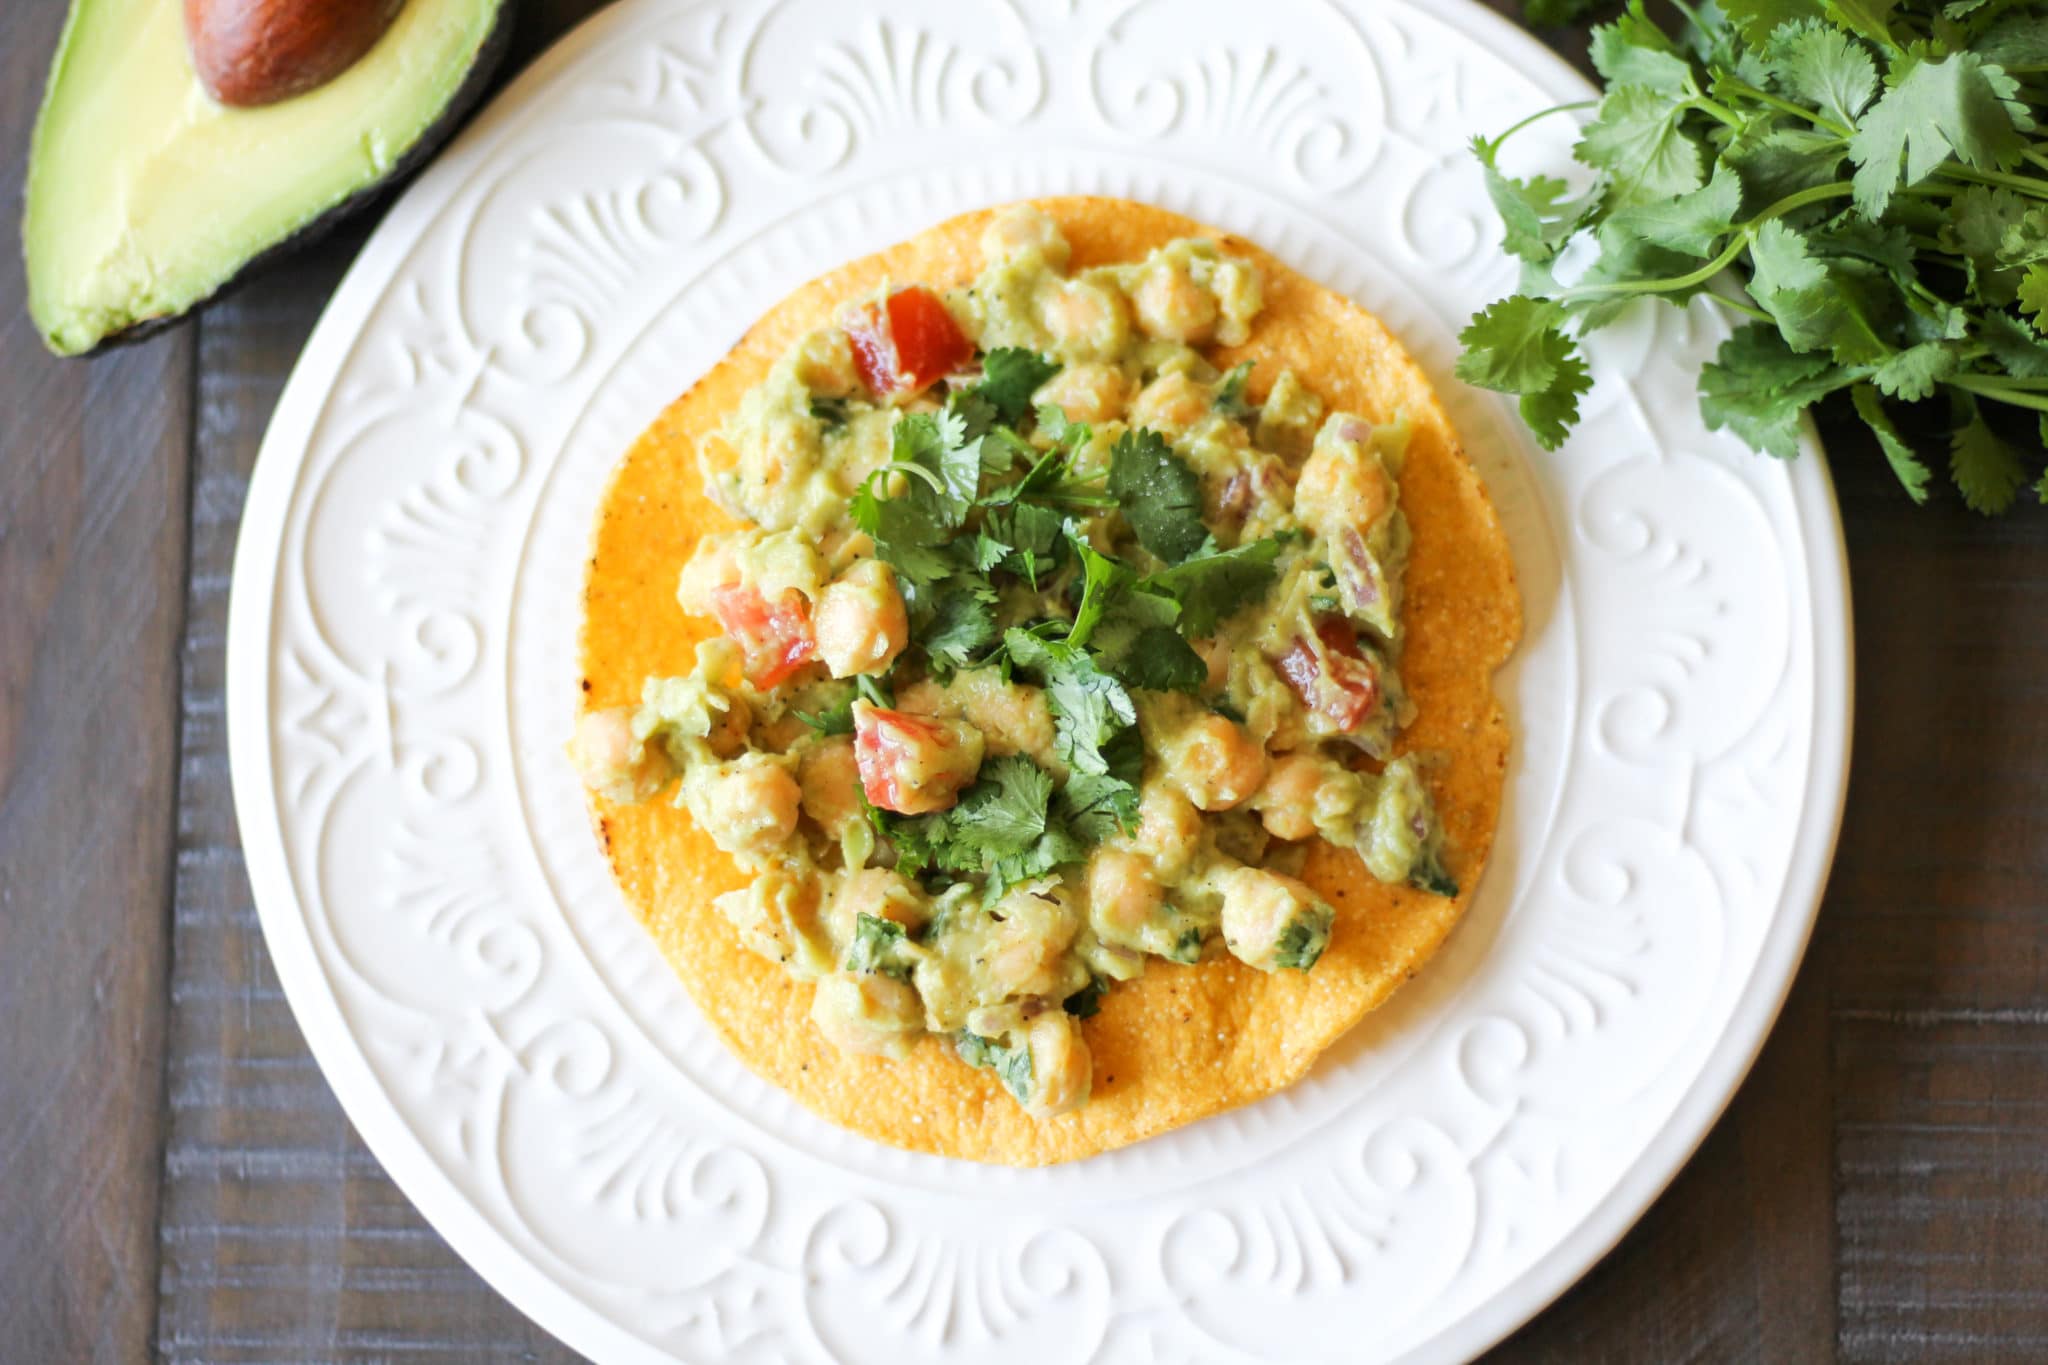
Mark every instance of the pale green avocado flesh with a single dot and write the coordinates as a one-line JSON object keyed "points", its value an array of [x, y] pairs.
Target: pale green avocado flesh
{"points": [[145, 197]]}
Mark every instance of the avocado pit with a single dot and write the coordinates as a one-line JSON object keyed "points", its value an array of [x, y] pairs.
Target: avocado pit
{"points": [[250, 53]]}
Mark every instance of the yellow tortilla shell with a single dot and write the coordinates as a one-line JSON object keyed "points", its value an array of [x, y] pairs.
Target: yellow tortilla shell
{"points": [[1180, 1042]]}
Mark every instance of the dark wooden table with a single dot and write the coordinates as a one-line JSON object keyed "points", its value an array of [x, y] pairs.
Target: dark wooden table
{"points": [[176, 1177]]}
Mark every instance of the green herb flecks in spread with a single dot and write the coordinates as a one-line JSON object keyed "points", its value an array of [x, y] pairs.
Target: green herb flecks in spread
{"points": [[1047, 651]]}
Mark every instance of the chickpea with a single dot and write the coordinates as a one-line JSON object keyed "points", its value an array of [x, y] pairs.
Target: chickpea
{"points": [[1086, 393], [1172, 403], [714, 564], [748, 805], [1216, 763], [830, 779], [1012, 718], [859, 622], [1287, 802], [824, 364], [1122, 892], [1341, 486], [1272, 922], [1032, 933], [1085, 319], [612, 762], [1024, 232], [1169, 828], [868, 1012], [1171, 305], [1062, 1072], [776, 915], [878, 892]]}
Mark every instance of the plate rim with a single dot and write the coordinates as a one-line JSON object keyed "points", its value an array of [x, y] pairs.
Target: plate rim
{"points": [[567, 1315]]}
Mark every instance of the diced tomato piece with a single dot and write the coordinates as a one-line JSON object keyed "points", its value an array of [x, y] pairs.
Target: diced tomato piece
{"points": [[907, 343], [1339, 684], [774, 637], [911, 764]]}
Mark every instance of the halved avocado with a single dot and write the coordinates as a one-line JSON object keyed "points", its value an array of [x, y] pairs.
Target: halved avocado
{"points": [[146, 198]]}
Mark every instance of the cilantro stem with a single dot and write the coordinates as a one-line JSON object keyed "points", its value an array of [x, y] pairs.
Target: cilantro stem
{"points": [[1841, 189], [1720, 112], [1542, 114], [1817, 119], [906, 467], [1985, 386], [1665, 286], [1751, 309], [1743, 236], [2031, 186]]}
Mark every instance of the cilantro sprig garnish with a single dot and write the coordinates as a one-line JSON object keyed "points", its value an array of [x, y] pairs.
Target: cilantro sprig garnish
{"points": [[997, 538], [1871, 178]]}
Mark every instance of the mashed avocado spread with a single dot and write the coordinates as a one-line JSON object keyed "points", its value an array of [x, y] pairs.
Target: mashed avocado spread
{"points": [[1047, 650]]}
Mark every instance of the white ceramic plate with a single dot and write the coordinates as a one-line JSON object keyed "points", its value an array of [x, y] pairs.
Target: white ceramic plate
{"points": [[401, 676]]}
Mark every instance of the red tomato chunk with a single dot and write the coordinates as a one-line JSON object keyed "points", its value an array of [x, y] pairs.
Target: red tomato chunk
{"points": [[774, 638], [907, 343], [1344, 695], [912, 764]]}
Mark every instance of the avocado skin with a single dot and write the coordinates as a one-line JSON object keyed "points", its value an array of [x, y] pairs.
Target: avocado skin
{"points": [[475, 84]]}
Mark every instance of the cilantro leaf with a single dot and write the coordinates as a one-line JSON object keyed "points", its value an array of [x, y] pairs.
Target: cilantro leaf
{"points": [[1101, 579], [1212, 587], [1757, 387], [1692, 223], [1517, 347], [1157, 658], [1957, 106], [1986, 470], [1757, 20], [1638, 140], [1010, 375], [1775, 162], [1003, 814], [873, 947], [1819, 64], [1978, 221], [1012, 1065], [2018, 39], [2033, 292], [1161, 497], [1914, 374], [830, 412], [1089, 707], [2016, 346], [1905, 463], [1032, 535], [1098, 806], [939, 444], [1086, 1002], [963, 623], [1816, 306], [1634, 51], [1230, 400]]}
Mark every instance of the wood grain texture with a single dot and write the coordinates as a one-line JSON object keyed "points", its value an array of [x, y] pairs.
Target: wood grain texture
{"points": [[1876, 1192], [92, 545], [283, 1240]]}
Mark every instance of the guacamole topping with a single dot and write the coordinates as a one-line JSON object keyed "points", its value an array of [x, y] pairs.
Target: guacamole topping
{"points": [[1048, 650]]}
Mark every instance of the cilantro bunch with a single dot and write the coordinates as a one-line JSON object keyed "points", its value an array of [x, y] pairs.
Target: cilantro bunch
{"points": [[1866, 180], [993, 534]]}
